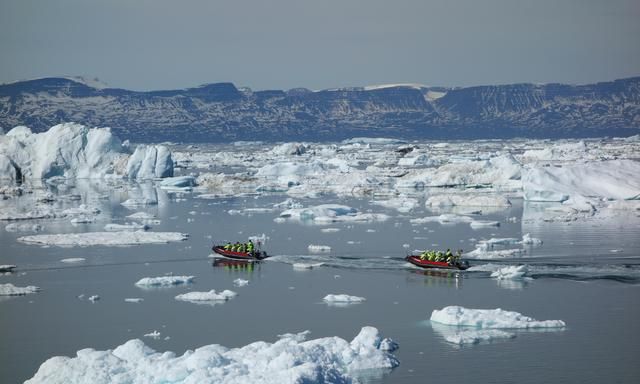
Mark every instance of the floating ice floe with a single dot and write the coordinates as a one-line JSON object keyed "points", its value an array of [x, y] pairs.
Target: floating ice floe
{"points": [[319, 248], [511, 272], [104, 238], [402, 204], [468, 200], [475, 224], [144, 216], [329, 213], [240, 282], [489, 318], [11, 290], [528, 240], [447, 218], [212, 295], [17, 227], [73, 260], [154, 335], [289, 360], [164, 281], [126, 227], [133, 300], [343, 299], [178, 182]]}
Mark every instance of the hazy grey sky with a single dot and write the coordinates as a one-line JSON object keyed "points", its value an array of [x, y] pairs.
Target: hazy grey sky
{"points": [[280, 44]]}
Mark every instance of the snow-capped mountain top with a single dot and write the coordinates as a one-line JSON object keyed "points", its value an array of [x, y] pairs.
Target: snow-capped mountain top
{"points": [[222, 112], [398, 85]]}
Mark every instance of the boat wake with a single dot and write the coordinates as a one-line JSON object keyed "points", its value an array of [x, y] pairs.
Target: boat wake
{"points": [[623, 273]]}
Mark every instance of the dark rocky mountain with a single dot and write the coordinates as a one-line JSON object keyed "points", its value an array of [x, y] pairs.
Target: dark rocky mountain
{"points": [[222, 112]]}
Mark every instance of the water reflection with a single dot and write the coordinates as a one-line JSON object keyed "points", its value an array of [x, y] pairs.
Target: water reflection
{"points": [[436, 277]]}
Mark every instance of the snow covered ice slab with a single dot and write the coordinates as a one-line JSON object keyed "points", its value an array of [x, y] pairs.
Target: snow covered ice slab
{"points": [[164, 281], [104, 238], [212, 295], [12, 290], [287, 361], [489, 318], [343, 299]]}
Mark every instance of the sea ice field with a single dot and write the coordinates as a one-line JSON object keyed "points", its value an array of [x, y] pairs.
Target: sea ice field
{"points": [[107, 273]]}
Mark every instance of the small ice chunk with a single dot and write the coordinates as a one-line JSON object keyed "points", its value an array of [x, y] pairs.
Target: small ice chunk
{"points": [[154, 335], [240, 282], [94, 298]]}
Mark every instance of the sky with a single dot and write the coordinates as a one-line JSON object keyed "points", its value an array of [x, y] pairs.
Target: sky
{"points": [[283, 44]]}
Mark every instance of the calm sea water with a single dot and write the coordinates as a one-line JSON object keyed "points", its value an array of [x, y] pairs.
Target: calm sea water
{"points": [[585, 274]]}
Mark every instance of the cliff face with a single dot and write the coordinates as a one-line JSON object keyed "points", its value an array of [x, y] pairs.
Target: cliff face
{"points": [[221, 112]]}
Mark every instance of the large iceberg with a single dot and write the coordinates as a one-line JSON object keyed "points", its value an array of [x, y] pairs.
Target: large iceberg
{"points": [[291, 359], [614, 179], [72, 150]]}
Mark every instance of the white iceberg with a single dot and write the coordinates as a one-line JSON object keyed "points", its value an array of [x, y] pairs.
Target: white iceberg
{"points": [[289, 360], [164, 281], [72, 150], [150, 162], [104, 238], [489, 318], [614, 179]]}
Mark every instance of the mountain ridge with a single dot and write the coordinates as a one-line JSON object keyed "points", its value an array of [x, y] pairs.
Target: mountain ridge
{"points": [[220, 112]]}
